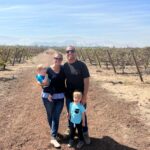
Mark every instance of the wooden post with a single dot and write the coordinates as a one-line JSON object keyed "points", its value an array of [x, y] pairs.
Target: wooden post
{"points": [[98, 59], [94, 57], [21, 55], [24, 55], [146, 63], [140, 75], [82, 55], [88, 56], [107, 64], [111, 61], [27, 53], [123, 66], [14, 59], [6, 59]]}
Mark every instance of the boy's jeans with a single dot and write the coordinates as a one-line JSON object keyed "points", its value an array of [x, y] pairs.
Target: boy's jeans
{"points": [[85, 128], [53, 110]]}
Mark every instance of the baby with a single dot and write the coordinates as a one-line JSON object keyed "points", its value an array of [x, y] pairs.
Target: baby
{"points": [[42, 78]]}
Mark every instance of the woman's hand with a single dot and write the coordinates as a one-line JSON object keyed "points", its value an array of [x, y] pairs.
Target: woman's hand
{"points": [[45, 81], [50, 97], [38, 83]]}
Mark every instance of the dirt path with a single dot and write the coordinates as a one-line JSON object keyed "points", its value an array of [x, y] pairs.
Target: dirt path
{"points": [[113, 123]]}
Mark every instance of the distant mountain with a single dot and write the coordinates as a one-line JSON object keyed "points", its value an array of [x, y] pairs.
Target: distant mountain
{"points": [[66, 42]]}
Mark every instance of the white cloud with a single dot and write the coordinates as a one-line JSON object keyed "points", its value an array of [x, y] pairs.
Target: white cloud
{"points": [[12, 7]]}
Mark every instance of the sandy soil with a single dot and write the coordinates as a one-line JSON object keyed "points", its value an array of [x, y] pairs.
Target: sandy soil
{"points": [[115, 119], [127, 87]]}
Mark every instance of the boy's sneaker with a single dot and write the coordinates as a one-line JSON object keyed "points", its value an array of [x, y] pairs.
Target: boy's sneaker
{"points": [[86, 138], [70, 144], [80, 144], [55, 143]]}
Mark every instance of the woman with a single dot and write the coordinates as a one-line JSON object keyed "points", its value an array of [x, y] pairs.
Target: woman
{"points": [[54, 106]]}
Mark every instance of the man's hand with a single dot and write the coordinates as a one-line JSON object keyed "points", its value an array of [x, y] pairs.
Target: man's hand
{"points": [[83, 124], [83, 119], [84, 98], [86, 87], [68, 115]]}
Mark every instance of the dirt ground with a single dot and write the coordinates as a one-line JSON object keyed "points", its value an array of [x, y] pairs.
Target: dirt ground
{"points": [[118, 113]]}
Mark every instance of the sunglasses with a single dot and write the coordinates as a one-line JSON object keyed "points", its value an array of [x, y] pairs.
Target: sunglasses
{"points": [[58, 58], [70, 51]]}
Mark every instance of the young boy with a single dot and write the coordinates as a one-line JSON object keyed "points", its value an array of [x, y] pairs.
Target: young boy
{"points": [[77, 119], [42, 77]]}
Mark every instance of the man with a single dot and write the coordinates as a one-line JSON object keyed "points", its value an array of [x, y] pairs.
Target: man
{"points": [[77, 78]]}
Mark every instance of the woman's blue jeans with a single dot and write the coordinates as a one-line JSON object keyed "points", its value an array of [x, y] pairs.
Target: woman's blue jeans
{"points": [[53, 110]]}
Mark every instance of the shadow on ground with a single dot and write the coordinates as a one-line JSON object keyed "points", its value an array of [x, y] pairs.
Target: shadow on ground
{"points": [[106, 143], [4, 79]]}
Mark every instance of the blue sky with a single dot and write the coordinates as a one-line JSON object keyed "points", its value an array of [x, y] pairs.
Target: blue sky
{"points": [[78, 22]]}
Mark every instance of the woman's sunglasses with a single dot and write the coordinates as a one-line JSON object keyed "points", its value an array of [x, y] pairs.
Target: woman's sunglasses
{"points": [[58, 58], [70, 51]]}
